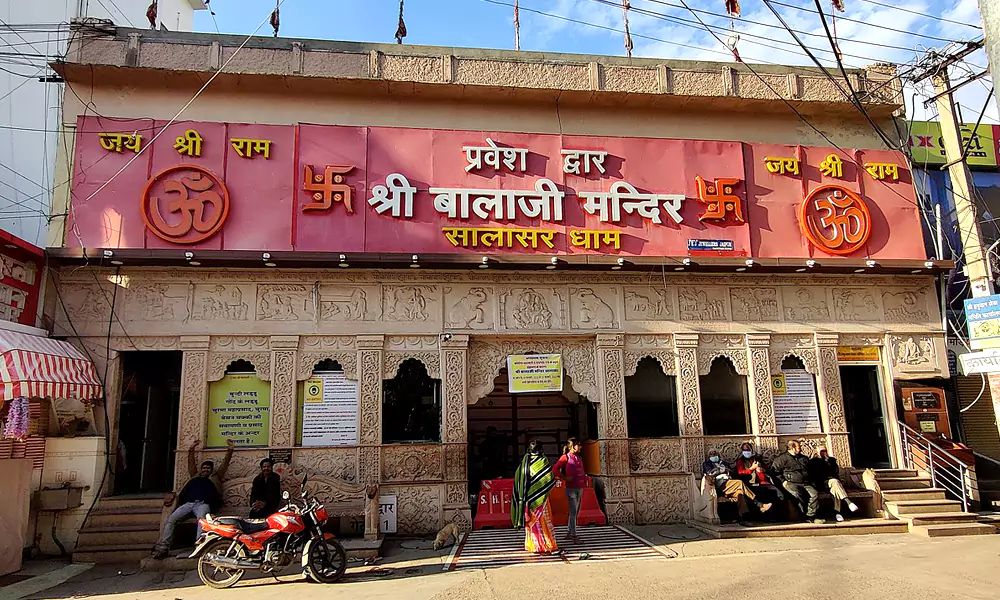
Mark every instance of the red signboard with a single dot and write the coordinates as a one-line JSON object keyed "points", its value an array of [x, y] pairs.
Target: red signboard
{"points": [[22, 272], [320, 188]]}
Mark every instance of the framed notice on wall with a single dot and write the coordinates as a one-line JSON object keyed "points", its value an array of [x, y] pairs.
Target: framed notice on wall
{"points": [[330, 410], [796, 409], [533, 373], [239, 409]]}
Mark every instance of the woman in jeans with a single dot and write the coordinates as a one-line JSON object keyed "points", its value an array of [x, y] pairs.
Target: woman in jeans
{"points": [[569, 468]]}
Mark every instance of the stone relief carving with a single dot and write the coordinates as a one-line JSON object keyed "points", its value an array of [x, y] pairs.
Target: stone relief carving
{"points": [[219, 303], [455, 466], [156, 302], [662, 500], [392, 360], [914, 351], [690, 400], [648, 303], [369, 469], [860, 339], [327, 342], [348, 361], [649, 342], [473, 310], [702, 303], [856, 304], [532, 308], [666, 358], [338, 303], [614, 397], [194, 367], [621, 513], [589, 310], [906, 306], [410, 462], [457, 493], [731, 342], [285, 302], [239, 343], [806, 355], [371, 399], [283, 398], [841, 449], [411, 342], [455, 390], [338, 463], [762, 390], [619, 488], [738, 358], [86, 302], [832, 392], [408, 303], [418, 508], [220, 361], [728, 447], [652, 456], [486, 358], [754, 304], [805, 304]]}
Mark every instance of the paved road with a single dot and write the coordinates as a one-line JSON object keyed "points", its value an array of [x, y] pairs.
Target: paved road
{"points": [[886, 567]]}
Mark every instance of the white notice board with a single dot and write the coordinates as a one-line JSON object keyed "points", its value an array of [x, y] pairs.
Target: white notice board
{"points": [[387, 514], [797, 410], [330, 410]]}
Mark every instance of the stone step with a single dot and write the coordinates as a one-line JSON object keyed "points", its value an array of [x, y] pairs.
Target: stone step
{"points": [[953, 529], [943, 517], [883, 473], [122, 502], [903, 508], [917, 494], [118, 535], [905, 483], [145, 517], [126, 553]]}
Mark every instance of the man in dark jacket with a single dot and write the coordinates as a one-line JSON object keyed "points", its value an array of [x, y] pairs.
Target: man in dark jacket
{"points": [[793, 469], [265, 494]]}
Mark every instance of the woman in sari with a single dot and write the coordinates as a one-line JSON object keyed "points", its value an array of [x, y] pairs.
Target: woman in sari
{"points": [[529, 506]]}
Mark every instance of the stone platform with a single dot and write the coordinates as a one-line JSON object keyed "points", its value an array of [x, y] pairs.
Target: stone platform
{"points": [[357, 549], [763, 530]]}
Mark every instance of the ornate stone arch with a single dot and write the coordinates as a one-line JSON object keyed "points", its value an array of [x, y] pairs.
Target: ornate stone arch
{"points": [[806, 355], [666, 358], [348, 361], [220, 361], [430, 360], [488, 356], [737, 357]]}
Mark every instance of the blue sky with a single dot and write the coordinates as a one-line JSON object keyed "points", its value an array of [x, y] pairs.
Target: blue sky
{"points": [[656, 26]]}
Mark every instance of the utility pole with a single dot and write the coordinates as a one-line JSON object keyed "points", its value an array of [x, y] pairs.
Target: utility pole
{"points": [[990, 11]]}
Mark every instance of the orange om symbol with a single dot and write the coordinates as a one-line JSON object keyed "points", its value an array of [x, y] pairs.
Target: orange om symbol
{"points": [[193, 205], [836, 220]]}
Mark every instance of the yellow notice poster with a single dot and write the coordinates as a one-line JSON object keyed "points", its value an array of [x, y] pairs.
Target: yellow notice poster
{"points": [[532, 373], [778, 384], [857, 353], [239, 408]]}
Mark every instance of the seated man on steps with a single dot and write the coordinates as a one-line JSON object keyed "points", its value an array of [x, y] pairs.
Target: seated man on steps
{"points": [[725, 485], [793, 469], [199, 496], [825, 475]]}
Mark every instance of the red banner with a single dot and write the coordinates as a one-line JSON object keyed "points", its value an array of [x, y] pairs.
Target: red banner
{"points": [[320, 188], [21, 268]]}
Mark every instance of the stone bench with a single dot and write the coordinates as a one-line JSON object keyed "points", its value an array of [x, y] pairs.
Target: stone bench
{"points": [[707, 501]]}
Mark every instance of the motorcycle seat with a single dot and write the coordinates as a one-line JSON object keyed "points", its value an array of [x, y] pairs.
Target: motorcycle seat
{"points": [[245, 525]]}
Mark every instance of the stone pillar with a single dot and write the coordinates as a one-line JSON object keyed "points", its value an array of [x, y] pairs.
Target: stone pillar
{"points": [[689, 400], [831, 397], [759, 386], [370, 358], [284, 352], [194, 398], [455, 380], [620, 498]]}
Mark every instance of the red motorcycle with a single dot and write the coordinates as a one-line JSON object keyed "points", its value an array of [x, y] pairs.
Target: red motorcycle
{"points": [[231, 546]]}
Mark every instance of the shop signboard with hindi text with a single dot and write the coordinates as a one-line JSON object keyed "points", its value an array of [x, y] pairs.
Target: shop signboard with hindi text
{"points": [[927, 147], [857, 354], [388, 190], [330, 410], [533, 373], [983, 318], [239, 409]]}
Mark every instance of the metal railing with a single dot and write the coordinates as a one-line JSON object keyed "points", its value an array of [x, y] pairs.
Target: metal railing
{"points": [[947, 472]]}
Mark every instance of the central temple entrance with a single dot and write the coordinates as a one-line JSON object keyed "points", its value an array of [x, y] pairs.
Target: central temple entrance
{"points": [[502, 424]]}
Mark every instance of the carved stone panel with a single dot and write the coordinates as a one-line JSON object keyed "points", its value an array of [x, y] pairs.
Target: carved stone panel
{"points": [[652, 456], [662, 500], [412, 462], [532, 308], [754, 304], [486, 358], [728, 447], [737, 356], [703, 303], [392, 360], [621, 513], [666, 358], [456, 391], [916, 355], [613, 403], [418, 508], [283, 400], [348, 361], [371, 397], [469, 307], [649, 303], [409, 303], [285, 302], [220, 361], [832, 396], [594, 308], [856, 305], [805, 304], [221, 302], [806, 355], [337, 463], [86, 302], [906, 306], [760, 376], [341, 303], [148, 301], [455, 464], [369, 465], [193, 405], [690, 393], [239, 343]]}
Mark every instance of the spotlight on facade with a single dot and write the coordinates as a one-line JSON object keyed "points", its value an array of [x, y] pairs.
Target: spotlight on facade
{"points": [[811, 263], [414, 262], [343, 264], [189, 257], [267, 260], [929, 264], [484, 263], [554, 262], [108, 256], [871, 264], [618, 265], [749, 262], [687, 262]]}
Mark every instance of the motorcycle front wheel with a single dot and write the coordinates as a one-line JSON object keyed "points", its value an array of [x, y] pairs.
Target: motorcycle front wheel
{"points": [[220, 577], [326, 562]]}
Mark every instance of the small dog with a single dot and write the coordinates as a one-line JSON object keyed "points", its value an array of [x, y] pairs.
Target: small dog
{"points": [[444, 536]]}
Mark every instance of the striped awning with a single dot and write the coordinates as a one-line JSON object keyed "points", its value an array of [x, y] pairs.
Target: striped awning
{"points": [[34, 366]]}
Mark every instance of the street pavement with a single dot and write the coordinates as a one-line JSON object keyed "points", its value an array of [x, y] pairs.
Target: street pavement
{"points": [[886, 567]]}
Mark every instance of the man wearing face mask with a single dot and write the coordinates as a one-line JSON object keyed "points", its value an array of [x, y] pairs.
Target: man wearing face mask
{"points": [[752, 470], [725, 485], [793, 468]]}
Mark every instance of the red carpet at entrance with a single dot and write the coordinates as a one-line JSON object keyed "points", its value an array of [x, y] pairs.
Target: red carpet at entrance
{"points": [[492, 548]]}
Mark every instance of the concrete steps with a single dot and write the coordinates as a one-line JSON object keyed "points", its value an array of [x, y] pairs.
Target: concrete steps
{"points": [[915, 482], [919, 494], [120, 529], [937, 518], [910, 497], [953, 529], [904, 508]]}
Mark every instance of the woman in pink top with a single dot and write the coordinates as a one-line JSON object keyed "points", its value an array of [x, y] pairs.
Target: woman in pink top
{"points": [[570, 469]]}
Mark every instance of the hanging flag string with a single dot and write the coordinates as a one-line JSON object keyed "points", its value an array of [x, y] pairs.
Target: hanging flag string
{"points": [[275, 18], [401, 27], [517, 28], [733, 8], [628, 36], [838, 4], [151, 15]]}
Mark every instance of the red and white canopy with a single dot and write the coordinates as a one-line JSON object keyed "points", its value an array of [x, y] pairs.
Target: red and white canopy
{"points": [[34, 366]]}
